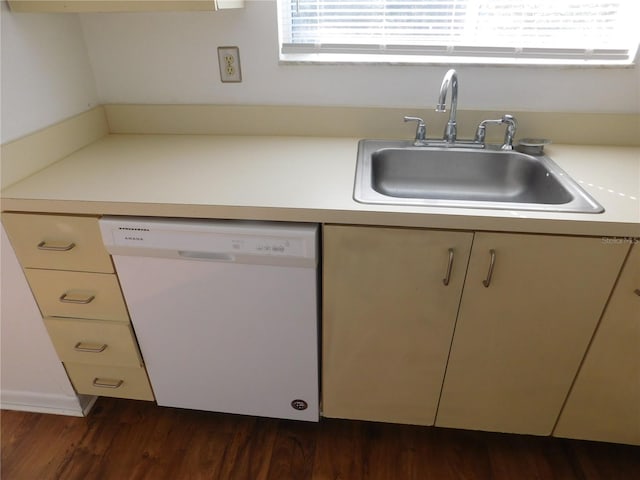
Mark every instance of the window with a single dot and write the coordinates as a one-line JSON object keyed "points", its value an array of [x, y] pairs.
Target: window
{"points": [[561, 32]]}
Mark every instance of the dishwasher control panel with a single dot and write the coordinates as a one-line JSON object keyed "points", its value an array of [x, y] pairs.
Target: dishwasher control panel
{"points": [[209, 239], [270, 246]]}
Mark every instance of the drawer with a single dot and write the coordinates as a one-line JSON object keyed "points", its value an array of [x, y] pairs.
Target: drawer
{"points": [[105, 381], [77, 294], [95, 342], [57, 242]]}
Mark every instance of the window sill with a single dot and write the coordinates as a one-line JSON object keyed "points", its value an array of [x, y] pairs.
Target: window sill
{"points": [[422, 60]]}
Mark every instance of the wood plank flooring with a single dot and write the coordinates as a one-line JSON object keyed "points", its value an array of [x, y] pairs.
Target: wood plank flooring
{"points": [[125, 439]]}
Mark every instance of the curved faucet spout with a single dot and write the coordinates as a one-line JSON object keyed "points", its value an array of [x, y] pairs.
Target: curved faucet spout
{"points": [[450, 79]]}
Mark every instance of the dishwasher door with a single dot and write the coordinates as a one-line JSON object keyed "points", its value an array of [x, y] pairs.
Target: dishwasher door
{"points": [[230, 328]]}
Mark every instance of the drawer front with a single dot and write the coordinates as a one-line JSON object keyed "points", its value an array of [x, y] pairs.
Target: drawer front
{"points": [[77, 294], [105, 381], [57, 242], [93, 342]]}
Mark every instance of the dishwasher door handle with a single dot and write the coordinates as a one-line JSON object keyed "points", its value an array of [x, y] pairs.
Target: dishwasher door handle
{"points": [[217, 256]]}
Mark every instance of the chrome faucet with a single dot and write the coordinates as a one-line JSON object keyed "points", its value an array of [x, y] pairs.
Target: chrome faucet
{"points": [[509, 134], [450, 137], [451, 130]]}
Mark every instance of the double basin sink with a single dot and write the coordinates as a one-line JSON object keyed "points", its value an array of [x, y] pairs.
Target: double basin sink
{"points": [[399, 173]]}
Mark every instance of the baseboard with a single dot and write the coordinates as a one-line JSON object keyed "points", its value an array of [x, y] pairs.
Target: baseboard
{"points": [[46, 403]]}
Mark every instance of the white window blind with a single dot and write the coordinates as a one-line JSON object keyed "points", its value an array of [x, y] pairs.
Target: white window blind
{"points": [[487, 31]]}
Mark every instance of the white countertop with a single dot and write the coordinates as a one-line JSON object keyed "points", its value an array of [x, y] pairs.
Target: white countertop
{"points": [[304, 179]]}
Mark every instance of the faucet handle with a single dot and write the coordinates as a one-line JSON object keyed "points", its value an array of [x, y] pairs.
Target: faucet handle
{"points": [[421, 130], [510, 133], [481, 131]]}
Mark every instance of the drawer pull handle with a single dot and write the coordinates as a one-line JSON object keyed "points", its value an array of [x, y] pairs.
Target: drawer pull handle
{"points": [[55, 248], [79, 301], [487, 281], [82, 347], [106, 383], [447, 276]]}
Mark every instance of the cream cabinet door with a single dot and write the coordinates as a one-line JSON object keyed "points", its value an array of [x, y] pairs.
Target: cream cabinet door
{"points": [[77, 294], [388, 318], [110, 381], [57, 242], [604, 403], [523, 330], [96, 342]]}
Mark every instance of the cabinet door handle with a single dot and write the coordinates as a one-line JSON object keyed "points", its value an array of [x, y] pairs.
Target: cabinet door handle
{"points": [[107, 383], [79, 301], [447, 275], [487, 281], [82, 347], [55, 248], [637, 291]]}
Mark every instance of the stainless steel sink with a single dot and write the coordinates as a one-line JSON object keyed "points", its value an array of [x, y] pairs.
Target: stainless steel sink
{"points": [[398, 173]]}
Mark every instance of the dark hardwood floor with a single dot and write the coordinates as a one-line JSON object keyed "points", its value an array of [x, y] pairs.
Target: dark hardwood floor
{"points": [[125, 439]]}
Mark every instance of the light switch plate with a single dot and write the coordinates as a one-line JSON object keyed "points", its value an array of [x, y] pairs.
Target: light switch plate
{"points": [[229, 62]]}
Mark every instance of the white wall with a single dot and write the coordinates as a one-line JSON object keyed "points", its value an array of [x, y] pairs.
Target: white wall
{"points": [[46, 75], [171, 58]]}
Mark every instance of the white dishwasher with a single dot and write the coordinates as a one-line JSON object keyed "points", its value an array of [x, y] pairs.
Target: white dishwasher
{"points": [[225, 312]]}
